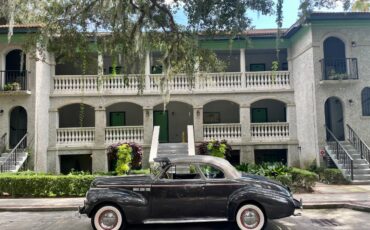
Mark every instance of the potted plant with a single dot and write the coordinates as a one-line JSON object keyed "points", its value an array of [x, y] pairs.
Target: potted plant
{"points": [[16, 86], [8, 87]]}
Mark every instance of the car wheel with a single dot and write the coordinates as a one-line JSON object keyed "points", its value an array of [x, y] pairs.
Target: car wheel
{"points": [[250, 217], [107, 218]]}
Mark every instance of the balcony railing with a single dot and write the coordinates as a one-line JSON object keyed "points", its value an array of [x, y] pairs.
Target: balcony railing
{"points": [[13, 80], [230, 132], [276, 131], [201, 83], [339, 69], [76, 136], [124, 134]]}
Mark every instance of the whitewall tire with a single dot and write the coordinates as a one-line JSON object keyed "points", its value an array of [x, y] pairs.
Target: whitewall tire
{"points": [[107, 218], [250, 217]]}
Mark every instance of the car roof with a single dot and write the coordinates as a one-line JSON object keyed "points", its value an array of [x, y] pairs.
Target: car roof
{"points": [[229, 170]]}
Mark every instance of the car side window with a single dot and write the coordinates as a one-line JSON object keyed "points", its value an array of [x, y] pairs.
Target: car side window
{"points": [[211, 172], [181, 172]]}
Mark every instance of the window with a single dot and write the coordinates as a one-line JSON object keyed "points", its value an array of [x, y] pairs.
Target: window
{"points": [[181, 172], [211, 172], [365, 96]]}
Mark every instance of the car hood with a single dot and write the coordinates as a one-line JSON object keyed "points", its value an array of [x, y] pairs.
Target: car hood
{"points": [[122, 181]]}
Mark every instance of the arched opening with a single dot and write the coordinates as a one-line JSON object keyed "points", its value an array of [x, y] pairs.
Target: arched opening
{"points": [[124, 114], [334, 118], [221, 111], [76, 115], [335, 63], [365, 99], [18, 126], [15, 69], [268, 110], [173, 121]]}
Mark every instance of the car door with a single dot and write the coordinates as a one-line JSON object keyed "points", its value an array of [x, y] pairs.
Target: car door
{"points": [[216, 191], [178, 193]]}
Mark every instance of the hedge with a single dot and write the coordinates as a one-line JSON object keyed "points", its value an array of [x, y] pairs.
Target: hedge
{"points": [[45, 185]]}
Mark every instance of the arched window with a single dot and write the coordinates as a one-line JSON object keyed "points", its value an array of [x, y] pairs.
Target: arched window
{"points": [[365, 98]]}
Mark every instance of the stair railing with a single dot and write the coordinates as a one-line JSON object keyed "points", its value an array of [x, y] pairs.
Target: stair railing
{"points": [[3, 143], [11, 160], [343, 156], [191, 145], [155, 143], [359, 144]]}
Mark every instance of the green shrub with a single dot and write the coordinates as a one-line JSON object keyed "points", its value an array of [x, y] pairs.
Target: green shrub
{"points": [[332, 176], [34, 185], [123, 159], [303, 178], [140, 171], [215, 148]]}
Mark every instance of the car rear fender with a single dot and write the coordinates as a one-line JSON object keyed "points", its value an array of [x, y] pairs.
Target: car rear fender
{"points": [[270, 202]]}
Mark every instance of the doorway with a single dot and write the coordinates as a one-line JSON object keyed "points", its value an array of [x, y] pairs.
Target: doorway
{"points": [[161, 119], [334, 118], [17, 126]]}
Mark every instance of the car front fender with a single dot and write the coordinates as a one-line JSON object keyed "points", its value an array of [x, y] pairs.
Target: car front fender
{"points": [[134, 204], [274, 204]]}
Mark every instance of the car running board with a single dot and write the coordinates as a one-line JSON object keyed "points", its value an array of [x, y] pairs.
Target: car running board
{"points": [[184, 221]]}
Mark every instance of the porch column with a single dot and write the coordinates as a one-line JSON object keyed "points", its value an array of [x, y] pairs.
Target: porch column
{"points": [[245, 121], [198, 124], [100, 124], [53, 126], [148, 125], [292, 120], [147, 70], [100, 64], [242, 67]]}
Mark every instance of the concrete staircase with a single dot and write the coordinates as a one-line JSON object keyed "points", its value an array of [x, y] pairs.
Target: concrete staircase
{"points": [[361, 168], [172, 149], [21, 159]]}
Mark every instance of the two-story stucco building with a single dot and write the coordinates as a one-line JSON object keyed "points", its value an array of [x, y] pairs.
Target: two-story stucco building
{"points": [[323, 79]]}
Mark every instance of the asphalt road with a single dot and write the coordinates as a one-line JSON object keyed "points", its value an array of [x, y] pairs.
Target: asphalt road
{"points": [[310, 219]]}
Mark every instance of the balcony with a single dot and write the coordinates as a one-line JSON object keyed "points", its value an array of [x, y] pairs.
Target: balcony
{"points": [[14, 82], [270, 132], [229, 132], [151, 84], [76, 136], [124, 134], [339, 69]]}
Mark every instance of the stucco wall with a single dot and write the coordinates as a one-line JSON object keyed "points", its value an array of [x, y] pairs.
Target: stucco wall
{"points": [[345, 90], [302, 68], [133, 113]]}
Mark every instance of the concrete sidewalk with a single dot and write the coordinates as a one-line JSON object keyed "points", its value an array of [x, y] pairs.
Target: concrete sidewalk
{"points": [[356, 197]]}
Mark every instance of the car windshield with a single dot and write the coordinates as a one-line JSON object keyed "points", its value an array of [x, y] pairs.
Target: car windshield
{"points": [[156, 169]]}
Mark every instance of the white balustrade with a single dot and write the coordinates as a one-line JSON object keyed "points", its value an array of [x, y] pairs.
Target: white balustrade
{"points": [[202, 82], [75, 136], [130, 83], [217, 81], [179, 82], [124, 134], [75, 83], [268, 80], [230, 132], [276, 131]]}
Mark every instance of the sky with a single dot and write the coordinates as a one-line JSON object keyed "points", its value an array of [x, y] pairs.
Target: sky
{"points": [[290, 14]]}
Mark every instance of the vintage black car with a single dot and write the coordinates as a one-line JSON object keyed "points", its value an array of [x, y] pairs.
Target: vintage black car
{"points": [[187, 189]]}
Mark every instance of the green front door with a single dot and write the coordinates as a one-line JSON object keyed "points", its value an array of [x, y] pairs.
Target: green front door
{"points": [[117, 119], [259, 115], [161, 119]]}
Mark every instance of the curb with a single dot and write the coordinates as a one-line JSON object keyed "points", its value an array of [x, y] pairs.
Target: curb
{"points": [[356, 207], [37, 208]]}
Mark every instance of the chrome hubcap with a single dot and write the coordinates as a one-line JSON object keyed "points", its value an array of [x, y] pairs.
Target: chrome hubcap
{"points": [[250, 218], [108, 220]]}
